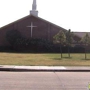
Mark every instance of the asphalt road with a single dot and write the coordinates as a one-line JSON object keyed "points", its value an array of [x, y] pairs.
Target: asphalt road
{"points": [[44, 80]]}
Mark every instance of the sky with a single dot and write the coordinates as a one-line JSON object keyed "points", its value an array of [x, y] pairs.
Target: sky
{"points": [[69, 14]]}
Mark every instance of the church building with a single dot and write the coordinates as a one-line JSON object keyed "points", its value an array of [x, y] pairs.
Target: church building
{"points": [[30, 26]]}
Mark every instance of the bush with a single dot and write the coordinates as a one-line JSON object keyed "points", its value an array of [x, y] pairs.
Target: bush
{"points": [[32, 45]]}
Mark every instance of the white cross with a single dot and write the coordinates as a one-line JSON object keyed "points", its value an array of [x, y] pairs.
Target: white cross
{"points": [[31, 26]]}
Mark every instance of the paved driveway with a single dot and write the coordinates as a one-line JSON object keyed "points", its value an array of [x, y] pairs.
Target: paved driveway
{"points": [[44, 80]]}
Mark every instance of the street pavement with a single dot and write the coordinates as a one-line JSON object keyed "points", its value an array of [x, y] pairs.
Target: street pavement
{"points": [[44, 77], [44, 80]]}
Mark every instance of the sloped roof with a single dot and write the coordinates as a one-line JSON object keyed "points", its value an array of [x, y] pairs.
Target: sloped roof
{"points": [[81, 34], [28, 17]]}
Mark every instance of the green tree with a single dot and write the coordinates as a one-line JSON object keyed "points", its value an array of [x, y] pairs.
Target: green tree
{"points": [[69, 40], [60, 38], [76, 39], [12, 36], [86, 41]]}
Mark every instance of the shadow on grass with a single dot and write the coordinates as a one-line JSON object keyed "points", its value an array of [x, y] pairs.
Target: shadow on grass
{"points": [[67, 57], [85, 59], [61, 58], [56, 58]]}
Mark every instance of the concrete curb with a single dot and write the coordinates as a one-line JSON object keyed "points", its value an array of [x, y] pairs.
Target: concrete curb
{"points": [[44, 69], [31, 70]]}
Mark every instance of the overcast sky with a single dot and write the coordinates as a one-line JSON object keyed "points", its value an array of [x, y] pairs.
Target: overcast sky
{"points": [[69, 14]]}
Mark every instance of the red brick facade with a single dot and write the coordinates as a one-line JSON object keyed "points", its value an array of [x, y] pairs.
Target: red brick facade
{"points": [[44, 29]]}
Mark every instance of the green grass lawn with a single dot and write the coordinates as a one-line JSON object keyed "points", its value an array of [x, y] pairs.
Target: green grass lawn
{"points": [[43, 59]]}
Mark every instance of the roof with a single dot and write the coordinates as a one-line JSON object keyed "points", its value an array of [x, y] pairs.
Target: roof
{"points": [[81, 34], [28, 17]]}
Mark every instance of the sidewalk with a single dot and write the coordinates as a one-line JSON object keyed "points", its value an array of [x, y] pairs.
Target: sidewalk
{"points": [[44, 68]]}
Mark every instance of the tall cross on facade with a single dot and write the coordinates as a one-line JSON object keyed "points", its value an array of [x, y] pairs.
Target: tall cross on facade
{"points": [[31, 26]]}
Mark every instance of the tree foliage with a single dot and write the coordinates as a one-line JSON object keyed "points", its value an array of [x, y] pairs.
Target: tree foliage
{"points": [[86, 41], [69, 37], [12, 36], [60, 38], [69, 40]]}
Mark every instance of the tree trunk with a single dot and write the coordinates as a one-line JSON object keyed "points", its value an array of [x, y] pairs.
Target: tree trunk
{"points": [[68, 52], [85, 53], [61, 50]]}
